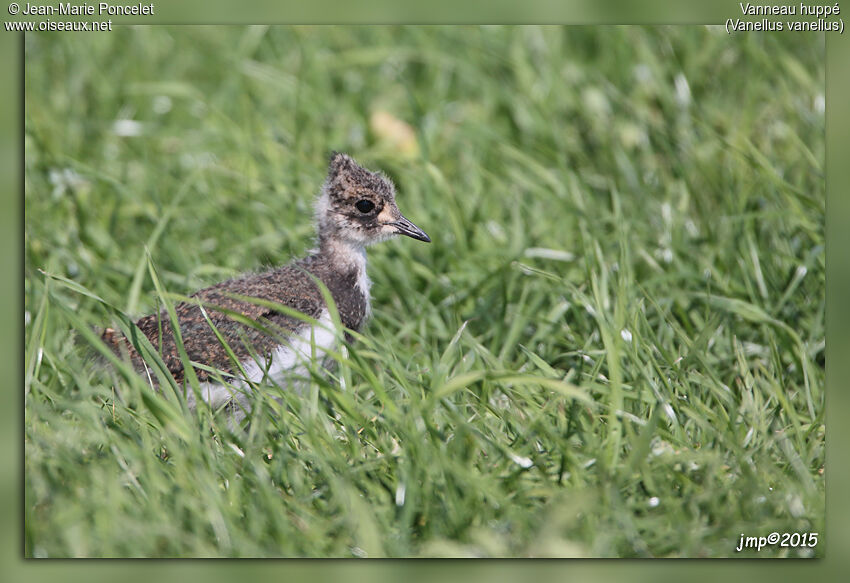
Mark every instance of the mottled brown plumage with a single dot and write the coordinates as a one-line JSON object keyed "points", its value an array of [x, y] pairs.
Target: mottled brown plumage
{"points": [[355, 208]]}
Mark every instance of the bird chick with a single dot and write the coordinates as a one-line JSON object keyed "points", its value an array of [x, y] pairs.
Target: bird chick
{"points": [[356, 207]]}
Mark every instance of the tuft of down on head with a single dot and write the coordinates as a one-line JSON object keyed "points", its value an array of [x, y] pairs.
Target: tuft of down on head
{"points": [[357, 206]]}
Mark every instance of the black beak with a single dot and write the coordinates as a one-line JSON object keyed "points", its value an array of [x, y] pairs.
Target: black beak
{"points": [[405, 227]]}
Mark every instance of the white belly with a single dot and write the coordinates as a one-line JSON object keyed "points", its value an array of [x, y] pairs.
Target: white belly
{"points": [[286, 365]]}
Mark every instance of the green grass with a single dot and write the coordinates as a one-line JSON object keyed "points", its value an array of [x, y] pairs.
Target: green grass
{"points": [[613, 347]]}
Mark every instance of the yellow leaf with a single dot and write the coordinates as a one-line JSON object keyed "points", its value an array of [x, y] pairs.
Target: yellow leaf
{"points": [[394, 133]]}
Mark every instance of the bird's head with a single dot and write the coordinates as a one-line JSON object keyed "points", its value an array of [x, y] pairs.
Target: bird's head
{"points": [[358, 206]]}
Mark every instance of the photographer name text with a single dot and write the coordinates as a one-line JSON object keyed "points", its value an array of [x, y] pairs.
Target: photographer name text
{"points": [[99, 9]]}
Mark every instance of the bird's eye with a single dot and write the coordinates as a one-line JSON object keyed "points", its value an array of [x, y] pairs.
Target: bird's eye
{"points": [[364, 206]]}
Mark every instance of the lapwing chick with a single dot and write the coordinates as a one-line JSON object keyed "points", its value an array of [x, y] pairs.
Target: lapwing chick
{"points": [[356, 207]]}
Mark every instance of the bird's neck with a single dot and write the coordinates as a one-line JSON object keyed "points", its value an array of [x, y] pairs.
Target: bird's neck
{"points": [[347, 259], [342, 253]]}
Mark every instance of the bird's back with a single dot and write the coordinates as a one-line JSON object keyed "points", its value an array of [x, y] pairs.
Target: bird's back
{"points": [[292, 286]]}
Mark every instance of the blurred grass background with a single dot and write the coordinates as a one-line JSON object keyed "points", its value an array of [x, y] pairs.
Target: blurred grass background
{"points": [[614, 346]]}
